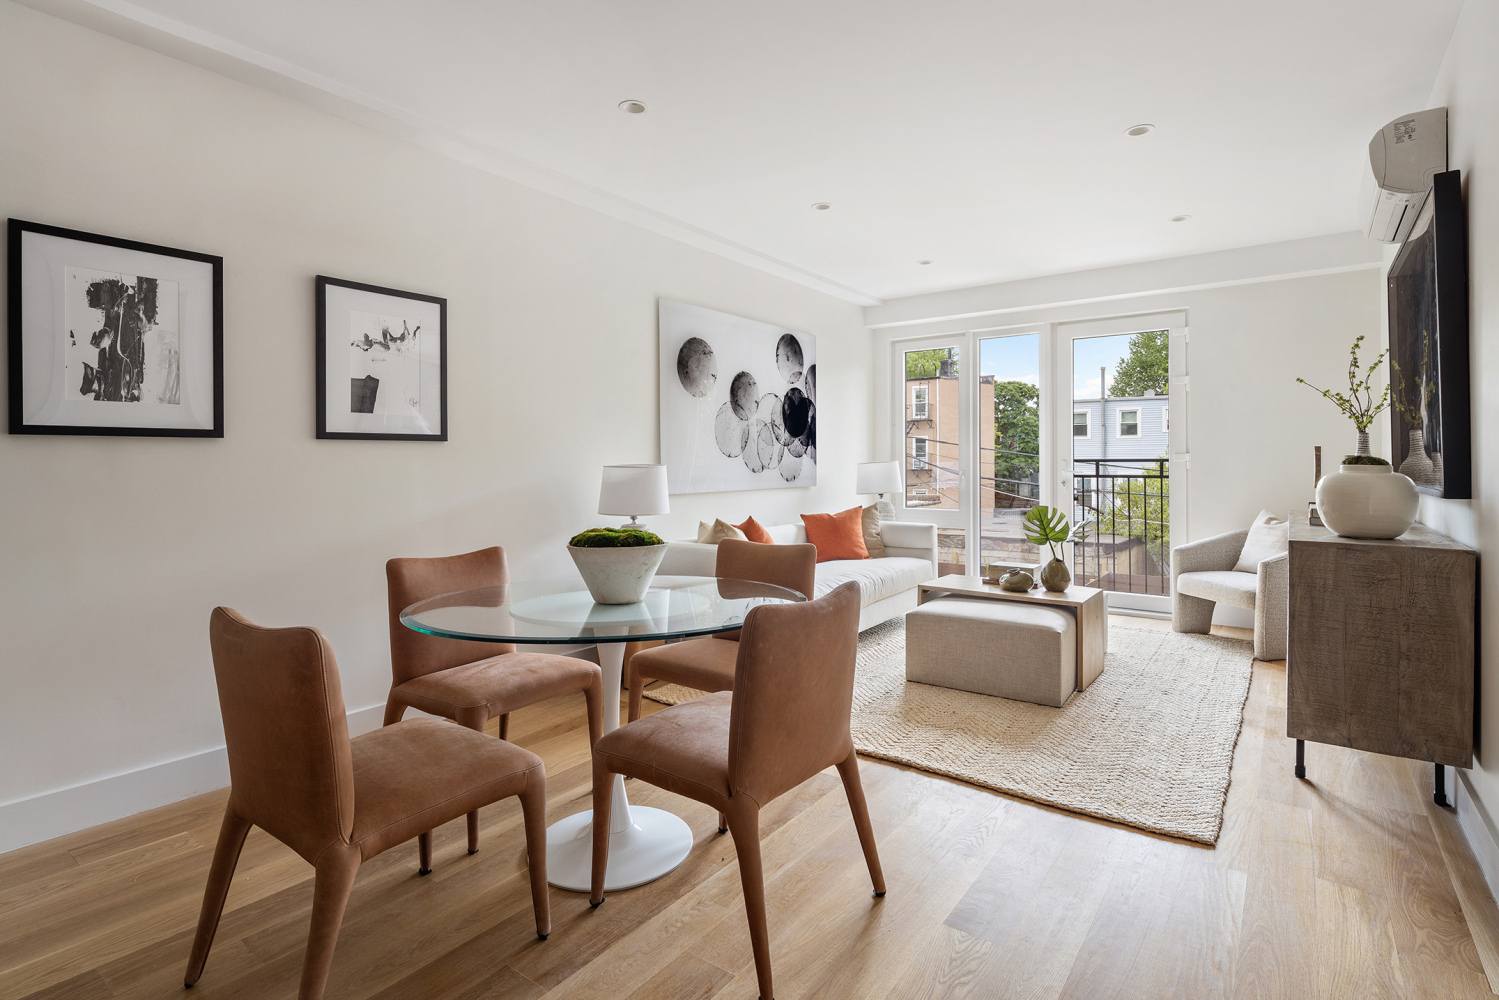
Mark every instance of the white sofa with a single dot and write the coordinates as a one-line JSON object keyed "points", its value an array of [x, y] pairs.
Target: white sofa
{"points": [[888, 585]]}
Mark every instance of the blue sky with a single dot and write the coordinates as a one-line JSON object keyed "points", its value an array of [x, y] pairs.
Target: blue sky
{"points": [[1018, 359]]}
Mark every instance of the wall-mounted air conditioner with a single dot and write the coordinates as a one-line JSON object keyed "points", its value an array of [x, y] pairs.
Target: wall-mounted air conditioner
{"points": [[1404, 155]]}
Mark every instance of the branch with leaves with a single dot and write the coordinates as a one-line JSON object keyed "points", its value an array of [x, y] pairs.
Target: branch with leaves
{"points": [[1359, 404], [1411, 403]]}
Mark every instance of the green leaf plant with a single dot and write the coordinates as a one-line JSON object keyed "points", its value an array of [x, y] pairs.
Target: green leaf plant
{"points": [[1359, 404], [1048, 526]]}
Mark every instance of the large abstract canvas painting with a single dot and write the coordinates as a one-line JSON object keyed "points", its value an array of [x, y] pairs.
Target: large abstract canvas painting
{"points": [[738, 402], [111, 336]]}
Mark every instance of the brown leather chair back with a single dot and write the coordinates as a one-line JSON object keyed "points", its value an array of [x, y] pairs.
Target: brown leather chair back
{"points": [[290, 768], [413, 654], [791, 566], [793, 693]]}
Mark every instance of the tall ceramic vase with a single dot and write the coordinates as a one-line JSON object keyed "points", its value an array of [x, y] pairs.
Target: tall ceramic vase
{"points": [[1367, 501], [1419, 466], [1055, 576]]}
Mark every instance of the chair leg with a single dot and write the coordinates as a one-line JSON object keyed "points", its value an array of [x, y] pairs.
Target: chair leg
{"points": [[848, 770], [424, 853], [637, 691], [603, 799], [533, 804], [744, 824], [336, 868], [220, 874], [1191, 614], [593, 695], [505, 726], [723, 823], [476, 719], [394, 709]]}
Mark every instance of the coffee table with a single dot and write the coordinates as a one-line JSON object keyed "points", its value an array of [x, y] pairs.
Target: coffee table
{"points": [[1087, 604], [644, 843]]}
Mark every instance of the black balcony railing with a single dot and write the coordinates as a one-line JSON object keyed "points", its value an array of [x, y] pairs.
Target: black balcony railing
{"points": [[1127, 504]]}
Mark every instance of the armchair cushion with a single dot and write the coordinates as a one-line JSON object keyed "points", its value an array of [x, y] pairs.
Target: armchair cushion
{"points": [[1221, 586], [1268, 536]]}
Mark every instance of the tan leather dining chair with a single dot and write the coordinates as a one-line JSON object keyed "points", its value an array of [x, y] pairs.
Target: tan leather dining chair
{"points": [[707, 664], [472, 682], [786, 719], [338, 802]]}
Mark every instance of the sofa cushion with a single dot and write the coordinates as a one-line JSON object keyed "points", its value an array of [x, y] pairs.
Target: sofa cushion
{"points": [[872, 541], [712, 534], [877, 578], [1222, 586], [755, 532], [837, 536], [1269, 536]]}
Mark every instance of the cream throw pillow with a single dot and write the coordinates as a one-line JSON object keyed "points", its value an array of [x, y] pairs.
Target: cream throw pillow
{"points": [[716, 532], [872, 540], [1268, 536]]}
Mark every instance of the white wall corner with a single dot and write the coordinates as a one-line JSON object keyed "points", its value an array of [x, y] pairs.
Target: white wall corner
{"points": [[1478, 828], [78, 807]]}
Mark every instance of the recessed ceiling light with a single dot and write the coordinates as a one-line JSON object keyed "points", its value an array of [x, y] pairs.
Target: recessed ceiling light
{"points": [[1139, 129], [821, 206], [923, 262], [1180, 218], [632, 107]]}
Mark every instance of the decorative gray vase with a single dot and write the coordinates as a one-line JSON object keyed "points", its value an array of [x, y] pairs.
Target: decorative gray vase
{"points": [[1016, 581], [1419, 466], [1055, 576]]}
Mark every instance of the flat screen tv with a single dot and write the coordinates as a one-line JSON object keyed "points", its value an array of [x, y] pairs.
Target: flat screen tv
{"points": [[1428, 302]]}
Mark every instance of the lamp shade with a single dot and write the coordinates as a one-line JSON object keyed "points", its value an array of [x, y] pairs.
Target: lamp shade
{"points": [[634, 490], [878, 477]]}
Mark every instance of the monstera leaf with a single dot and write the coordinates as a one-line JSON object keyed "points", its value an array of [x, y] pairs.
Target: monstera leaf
{"points": [[1048, 526]]}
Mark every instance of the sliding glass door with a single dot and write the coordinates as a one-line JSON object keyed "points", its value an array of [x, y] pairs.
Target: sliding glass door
{"points": [[934, 405]]}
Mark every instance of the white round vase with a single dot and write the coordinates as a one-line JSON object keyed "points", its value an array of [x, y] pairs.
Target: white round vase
{"points": [[619, 575], [1367, 501]]}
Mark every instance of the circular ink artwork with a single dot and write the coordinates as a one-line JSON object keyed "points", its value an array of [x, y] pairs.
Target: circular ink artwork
{"points": [[697, 368], [789, 361], [730, 431], [742, 395]]}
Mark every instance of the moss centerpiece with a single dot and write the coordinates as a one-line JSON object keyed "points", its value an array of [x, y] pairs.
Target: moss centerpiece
{"points": [[617, 564]]}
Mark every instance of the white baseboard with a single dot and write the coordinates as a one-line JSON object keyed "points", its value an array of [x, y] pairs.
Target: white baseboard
{"points": [[78, 807], [66, 810], [1478, 828]]}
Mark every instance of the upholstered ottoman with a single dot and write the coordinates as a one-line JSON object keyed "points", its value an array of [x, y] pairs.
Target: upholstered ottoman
{"points": [[1005, 648]]}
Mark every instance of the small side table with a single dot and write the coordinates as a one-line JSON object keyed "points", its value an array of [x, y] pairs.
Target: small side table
{"points": [[1087, 605]]}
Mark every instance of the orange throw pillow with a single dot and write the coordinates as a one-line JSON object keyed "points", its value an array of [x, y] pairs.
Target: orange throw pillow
{"points": [[755, 532], [837, 536]]}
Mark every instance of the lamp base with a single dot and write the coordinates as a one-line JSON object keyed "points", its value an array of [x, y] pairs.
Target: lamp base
{"points": [[884, 509]]}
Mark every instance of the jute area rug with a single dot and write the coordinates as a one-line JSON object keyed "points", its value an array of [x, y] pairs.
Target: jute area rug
{"points": [[1149, 744]]}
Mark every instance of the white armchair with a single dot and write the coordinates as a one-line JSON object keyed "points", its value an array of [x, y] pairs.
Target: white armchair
{"points": [[1203, 576]]}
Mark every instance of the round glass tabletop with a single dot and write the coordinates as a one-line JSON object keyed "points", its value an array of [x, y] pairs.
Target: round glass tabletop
{"points": [[560, 611]]}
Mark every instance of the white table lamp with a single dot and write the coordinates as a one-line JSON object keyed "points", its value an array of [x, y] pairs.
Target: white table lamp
{"points": [[881, 478], [634, 490]]}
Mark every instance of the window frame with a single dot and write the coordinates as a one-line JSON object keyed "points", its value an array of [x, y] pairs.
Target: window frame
{"points": [[926, 402], [1166, 419], [1119, 422], [922, 464], [1087, 424]]}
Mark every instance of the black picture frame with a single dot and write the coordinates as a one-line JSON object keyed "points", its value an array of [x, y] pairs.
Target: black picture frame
{"points": [[29, 353], [1427, 297], [326, 400]]}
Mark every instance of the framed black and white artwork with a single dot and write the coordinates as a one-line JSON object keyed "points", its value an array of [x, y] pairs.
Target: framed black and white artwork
{"points": [[738, 402], [113, 336], [382, 363]]}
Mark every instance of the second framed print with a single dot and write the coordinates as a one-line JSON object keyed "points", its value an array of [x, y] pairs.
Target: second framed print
{"points": [[382, 363]]}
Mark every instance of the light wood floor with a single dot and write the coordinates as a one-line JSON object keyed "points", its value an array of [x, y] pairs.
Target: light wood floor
{"points": [[1336, 887]]}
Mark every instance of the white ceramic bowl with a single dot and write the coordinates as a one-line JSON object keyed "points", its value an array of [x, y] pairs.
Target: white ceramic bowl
{"points": [[619, 575], [1367, 501]]}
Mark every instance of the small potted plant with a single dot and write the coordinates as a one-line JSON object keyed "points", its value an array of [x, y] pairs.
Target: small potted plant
{"points": [[1367, 499], [617, 564], [1048, 526]]}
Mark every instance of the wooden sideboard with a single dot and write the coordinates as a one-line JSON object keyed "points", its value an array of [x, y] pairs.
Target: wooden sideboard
{"points": [[1380, 645]]}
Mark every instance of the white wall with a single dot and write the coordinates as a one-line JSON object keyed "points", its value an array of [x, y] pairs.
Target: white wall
{"points": [[113, 551], [1252, 330], [1468, 86]]}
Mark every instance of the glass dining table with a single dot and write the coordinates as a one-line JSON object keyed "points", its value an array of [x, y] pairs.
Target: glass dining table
{"points": [[645, 843]]}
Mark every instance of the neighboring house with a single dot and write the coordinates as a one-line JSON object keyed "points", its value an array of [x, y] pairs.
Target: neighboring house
{"points": [[1132, 427]]}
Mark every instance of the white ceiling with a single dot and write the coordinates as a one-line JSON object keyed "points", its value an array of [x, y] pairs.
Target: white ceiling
{"points": [[984, 136]]}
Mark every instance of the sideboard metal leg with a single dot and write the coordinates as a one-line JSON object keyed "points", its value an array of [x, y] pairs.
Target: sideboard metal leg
{"points": [[1439, 795], [1301, 758]]}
